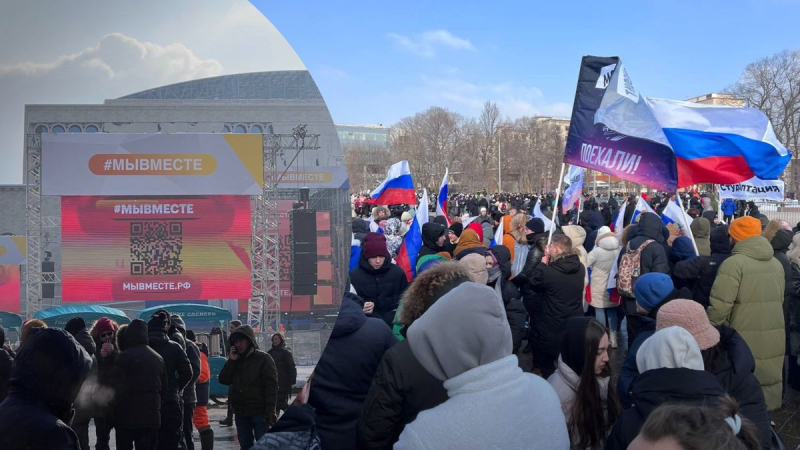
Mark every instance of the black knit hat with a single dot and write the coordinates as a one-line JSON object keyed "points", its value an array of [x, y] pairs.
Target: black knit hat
{"points": [[457, 228], [158, 321], [536, 225], [75, 325]]}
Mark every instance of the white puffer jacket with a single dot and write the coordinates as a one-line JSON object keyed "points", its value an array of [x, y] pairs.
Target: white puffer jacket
{"points": [[601, 259]]}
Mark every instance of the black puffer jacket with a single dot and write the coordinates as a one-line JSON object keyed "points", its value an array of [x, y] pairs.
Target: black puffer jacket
{"points": [[734, 368], [654, 256], [360, 229], [178, 334], [253, 379], [703, 269], [6, 366], [382, 287], [179, 369], [139, 378], [561, 283], [344, 373], [512, 299], [531, 299], [656, 387], [400, 390], [780, 245], [287, 371], [431, 232], [49, 371]]}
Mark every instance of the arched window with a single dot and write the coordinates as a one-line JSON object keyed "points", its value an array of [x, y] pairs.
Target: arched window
{"points": [[256, 129], [239, 129], [75, 129], [226, 129], [58, 129], [91, 129], [41, 129]]}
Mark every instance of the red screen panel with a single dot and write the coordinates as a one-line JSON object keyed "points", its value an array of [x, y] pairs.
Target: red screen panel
{"points": [[181, 248], [9, 289]]}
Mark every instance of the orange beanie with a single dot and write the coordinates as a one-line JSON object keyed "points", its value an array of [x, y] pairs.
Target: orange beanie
{"points": [[745, 227]]}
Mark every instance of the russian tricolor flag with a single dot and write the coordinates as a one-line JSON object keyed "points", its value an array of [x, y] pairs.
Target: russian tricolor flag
{"points": [[619, 218], [441, 201], [412, 243], [397, 188], [710, 143]]}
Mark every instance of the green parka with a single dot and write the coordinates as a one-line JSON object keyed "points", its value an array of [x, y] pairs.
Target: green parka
{"points": [[748, 296]]}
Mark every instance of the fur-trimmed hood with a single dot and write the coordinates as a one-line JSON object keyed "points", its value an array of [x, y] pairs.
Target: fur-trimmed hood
{"points": [[428, 287]]}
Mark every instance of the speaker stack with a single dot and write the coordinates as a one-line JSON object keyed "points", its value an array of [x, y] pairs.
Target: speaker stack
{"points": [[303, 226]]}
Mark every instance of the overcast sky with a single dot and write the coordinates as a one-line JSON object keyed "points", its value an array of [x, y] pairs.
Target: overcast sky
{"points": [[89, 51]]}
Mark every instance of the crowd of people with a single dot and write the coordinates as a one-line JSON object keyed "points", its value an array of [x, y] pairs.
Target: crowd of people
{"points": [[147, 382], [710, 338]]}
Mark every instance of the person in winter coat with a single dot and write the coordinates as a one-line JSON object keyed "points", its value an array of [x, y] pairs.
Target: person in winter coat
{"points": [[377, 281], [104, 333], [83, 404], [344, 372], [600, 261], [671, 368], [49, 370], [463, 340], [6, 364], [434, 236], [203, 389], [295, 430], [583, 383], [701, 230], [559, 278], [140, 383], [487, 233], [653, 291], [512, 232], [630, 208], [578, 235], [401, 387], [728, 210], [699, 273], [287, 371], [653, 258], [253, 379], [498, 266], [752, 210], [725, 355], [179, 374], [469, 244], [178, 334], [532, 300], [682, 250], [748, 297], [453, 236]]}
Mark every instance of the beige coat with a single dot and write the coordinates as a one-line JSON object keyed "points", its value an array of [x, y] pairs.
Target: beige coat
{"points": [[578, 235], [600, 260]]}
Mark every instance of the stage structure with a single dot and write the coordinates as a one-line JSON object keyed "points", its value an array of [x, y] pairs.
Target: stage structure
{"points": [[263, 306]]}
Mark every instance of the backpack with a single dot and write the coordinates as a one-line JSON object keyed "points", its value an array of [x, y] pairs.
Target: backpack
{"points": [[629, 269]]}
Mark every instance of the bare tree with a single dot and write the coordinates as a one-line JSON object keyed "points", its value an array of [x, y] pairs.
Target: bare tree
{"points": [[366, 164], [772, 84]]}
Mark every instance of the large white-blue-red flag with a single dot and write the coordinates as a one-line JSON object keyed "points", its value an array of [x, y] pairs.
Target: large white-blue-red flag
{"points": [[574, 178], [397, 188], [441, 201], [498, 235], [709, 143], [674, 215], [412, 242]]}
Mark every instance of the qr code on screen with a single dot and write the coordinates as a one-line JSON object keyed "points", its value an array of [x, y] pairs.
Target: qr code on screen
{"points": [[156, 248]]}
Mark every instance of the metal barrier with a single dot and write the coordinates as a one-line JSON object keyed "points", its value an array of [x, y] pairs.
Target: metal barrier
{"points": [[786, 210], [307, 346]]}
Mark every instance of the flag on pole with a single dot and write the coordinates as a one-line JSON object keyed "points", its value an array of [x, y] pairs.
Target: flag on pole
{"points": [[498, 235], [397, 188], [537, 212], [708, 143], [441, 202], [673, 214], [619, 220], [412, 242], [574, 179]]}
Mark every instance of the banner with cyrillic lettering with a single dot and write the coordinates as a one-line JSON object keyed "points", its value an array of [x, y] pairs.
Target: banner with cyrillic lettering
{"points": [[152, 164], [157, 248], [753, 189]]}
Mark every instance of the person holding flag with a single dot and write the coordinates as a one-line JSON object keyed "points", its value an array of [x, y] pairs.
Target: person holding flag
{"points": [[441, 201]]}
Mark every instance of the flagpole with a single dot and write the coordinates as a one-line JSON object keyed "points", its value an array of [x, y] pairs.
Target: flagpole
{"points": [[557, 206], [580, 203], [686, 220]]}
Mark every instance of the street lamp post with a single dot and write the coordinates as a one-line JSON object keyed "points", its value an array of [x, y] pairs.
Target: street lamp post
{"points": [[499, 159]]}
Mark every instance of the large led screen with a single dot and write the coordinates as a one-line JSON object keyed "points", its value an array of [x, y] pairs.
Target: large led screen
{"points": [[9, 288], [138, 249]]}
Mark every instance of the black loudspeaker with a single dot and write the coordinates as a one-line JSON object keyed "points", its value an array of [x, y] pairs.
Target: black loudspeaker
{"points": [[48, 289], [303, 225]]}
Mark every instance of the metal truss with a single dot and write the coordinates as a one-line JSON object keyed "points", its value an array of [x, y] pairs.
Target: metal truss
{"points": [[33, 225], [264, 307]]}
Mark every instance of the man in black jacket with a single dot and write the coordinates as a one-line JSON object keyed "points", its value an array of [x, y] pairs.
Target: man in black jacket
{"points": [[178, 330], [179, 373], [376, 280], [559, 278], [140, 384], [50, 369], [434, 236], [83, 414], [253, 379], [6, 364], [287, 371]]}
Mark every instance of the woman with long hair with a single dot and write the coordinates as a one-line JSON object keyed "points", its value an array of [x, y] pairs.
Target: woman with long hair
{"points": [[583, 383]]}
